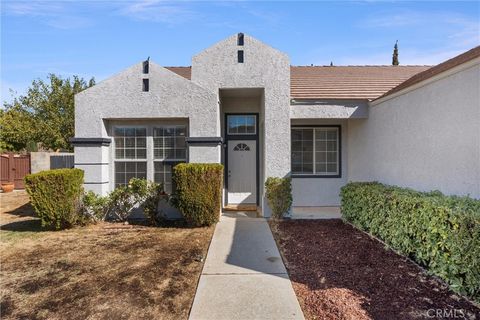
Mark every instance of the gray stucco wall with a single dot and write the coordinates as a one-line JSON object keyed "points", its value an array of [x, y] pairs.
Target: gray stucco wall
{"points": [[263, 67], [329, 109], [121, 98], [427, 138]]}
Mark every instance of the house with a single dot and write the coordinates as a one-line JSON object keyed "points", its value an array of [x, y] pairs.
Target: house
{"points": [[242, 104]]}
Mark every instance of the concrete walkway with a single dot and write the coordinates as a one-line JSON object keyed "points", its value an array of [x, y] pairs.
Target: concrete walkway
{"points": [[244, 276]]}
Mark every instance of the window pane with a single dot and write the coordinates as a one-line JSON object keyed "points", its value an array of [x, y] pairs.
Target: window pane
{"points": [[127, 140], [325, 154], [332, 135], [130, 142], [331, 157], [141, 153], [307, 134], [130, 132], [163, 175], [120, 153], [302, 151], [326, 157], [169, 142], [321, 156], [141, 142], [296, 134], [331, 146], [124, 171], [119, 142], [129, 153], [241, 124], [332, 168]]}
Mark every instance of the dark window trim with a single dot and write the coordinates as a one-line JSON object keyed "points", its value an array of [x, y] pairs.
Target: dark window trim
{"points": [[241, 137], [246, 134], [328, 176], [78, 142]]}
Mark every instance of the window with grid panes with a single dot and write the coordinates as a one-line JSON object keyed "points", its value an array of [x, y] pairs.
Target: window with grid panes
{"points": [[169, 149], [130, 145], [315, 151]]}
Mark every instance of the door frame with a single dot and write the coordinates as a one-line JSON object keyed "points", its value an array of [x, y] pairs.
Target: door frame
{"points": [[241, 137]]}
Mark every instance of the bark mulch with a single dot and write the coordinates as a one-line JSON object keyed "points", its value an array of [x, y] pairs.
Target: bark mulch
{"points": [[339, 272]]}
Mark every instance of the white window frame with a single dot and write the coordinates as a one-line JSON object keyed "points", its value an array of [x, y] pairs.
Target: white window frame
{"points": [[114, 155], [165, 160], [148, 125], [338, 172]]}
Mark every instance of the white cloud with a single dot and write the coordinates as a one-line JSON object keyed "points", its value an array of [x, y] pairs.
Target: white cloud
{"points": [[159, 11], [56, 14]]}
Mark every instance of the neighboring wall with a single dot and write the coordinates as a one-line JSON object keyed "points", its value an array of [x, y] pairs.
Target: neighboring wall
{"points": [[40, 161], [427, 138]]}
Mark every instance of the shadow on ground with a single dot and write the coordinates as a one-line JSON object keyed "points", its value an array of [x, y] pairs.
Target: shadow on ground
{"points": [[32, 225]]}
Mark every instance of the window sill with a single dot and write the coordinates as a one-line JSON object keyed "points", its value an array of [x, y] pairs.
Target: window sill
{"points": [[296, 176]]}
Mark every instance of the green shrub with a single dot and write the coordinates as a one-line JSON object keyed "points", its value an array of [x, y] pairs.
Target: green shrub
{"points": [[94, 206], [198, 192], [440, 232], [119, 204], [279, 195], [55, 196]]}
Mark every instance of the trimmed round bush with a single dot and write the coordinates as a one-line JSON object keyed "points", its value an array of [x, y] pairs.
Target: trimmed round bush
{"points": [[55, 196], [279, 195], [198, 193]]}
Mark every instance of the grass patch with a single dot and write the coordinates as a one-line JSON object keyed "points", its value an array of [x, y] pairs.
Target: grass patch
{"points": [[103, 271]]}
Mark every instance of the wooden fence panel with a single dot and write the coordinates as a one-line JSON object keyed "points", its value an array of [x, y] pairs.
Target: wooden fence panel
{"points": [[13, 168]]}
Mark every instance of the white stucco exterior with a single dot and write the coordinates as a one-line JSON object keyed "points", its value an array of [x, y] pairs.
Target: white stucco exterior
{"points": [[426, 138]]}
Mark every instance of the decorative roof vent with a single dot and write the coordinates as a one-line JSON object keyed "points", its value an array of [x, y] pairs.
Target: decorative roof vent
{"points": [[146, 65], [145, 85], [240, 39], [240, 56]]}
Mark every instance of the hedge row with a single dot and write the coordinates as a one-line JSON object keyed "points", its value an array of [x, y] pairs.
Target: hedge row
{"points": [[56, 196], [198, 193], [440, 232]]}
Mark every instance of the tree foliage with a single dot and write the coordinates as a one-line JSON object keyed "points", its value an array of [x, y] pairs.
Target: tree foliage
{"points": [[395, 61], [45, 114]]}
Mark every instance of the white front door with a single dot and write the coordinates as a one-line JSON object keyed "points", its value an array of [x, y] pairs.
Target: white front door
{"points": [[242, 172]]}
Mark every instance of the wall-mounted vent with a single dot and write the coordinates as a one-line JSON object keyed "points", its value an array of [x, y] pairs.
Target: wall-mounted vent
{"points": [[240, 56], [146, 65], [240, 39], [145, 85]]}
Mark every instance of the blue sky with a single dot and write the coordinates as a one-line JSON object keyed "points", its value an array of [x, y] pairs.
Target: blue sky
{"points": [[100, 38]]}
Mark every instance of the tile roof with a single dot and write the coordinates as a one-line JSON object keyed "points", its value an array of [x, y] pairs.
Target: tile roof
{"points": [[185, 72], [347, 82], [444, 66], [339, 82]]}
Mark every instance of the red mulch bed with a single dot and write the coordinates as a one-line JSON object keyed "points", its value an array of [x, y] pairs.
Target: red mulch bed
{"points": [[339, 272]]}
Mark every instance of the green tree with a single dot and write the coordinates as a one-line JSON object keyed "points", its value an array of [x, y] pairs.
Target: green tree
{"points": [[395, 61], [45, 114]]}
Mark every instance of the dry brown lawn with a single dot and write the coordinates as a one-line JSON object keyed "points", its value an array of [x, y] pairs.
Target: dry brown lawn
{"points": [[103, 271]]}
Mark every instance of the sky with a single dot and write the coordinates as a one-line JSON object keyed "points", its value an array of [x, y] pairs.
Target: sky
{"points": [[100, 38]]}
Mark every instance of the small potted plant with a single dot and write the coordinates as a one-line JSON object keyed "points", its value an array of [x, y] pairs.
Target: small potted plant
{"points": [[8, 187]]}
